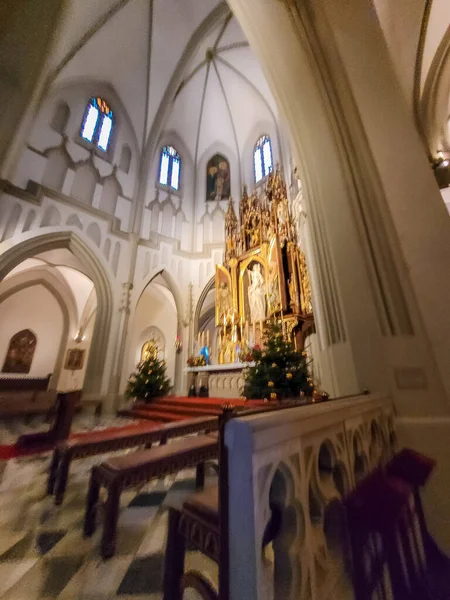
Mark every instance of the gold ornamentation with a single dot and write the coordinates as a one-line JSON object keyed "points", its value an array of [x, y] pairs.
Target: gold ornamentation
{"points": [[261, 248]]}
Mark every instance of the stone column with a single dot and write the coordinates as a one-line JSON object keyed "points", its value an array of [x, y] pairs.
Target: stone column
{"points": [[379, 237]]}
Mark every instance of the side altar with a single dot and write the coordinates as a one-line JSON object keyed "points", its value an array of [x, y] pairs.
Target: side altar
{"points": [[264, 275]]}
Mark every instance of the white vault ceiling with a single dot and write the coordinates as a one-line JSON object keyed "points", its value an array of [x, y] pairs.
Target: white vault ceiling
{"points": [[141, 47]]}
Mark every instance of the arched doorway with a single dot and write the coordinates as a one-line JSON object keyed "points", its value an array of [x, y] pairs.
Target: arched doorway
{"points": [[155, 319], [88, 263]]}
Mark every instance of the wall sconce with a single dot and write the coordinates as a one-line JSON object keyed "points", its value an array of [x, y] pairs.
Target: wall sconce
{"points": [[178, 344], [79, 337]]}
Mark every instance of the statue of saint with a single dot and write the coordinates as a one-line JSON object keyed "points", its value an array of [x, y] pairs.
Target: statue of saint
{"points": [[223, 299], [257, 294]]}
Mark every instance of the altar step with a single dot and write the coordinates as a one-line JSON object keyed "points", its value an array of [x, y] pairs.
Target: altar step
{"points": [[173, 408]]}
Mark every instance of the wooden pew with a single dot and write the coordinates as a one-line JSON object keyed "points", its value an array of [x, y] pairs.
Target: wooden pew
{"points": [[122, 472], [101, 443], [64, 410], [24, 383], [25, 397]]}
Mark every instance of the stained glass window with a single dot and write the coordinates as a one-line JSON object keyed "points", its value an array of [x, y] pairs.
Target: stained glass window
{"points": [[169, 167], [98, 123], [262, 158]]}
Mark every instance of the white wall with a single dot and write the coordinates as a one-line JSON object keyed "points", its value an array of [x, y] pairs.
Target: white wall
{"points": [[33, 308], [156, 308]]}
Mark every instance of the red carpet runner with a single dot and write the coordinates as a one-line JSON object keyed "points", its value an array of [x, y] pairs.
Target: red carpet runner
{"points": [[148, 416]]}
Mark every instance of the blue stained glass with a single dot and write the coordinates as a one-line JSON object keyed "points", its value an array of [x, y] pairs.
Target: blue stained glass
{"points": [[175, 179], [164, 171], [267, 156], [258, 165], [98, 123], [90, 123], [169, 169], [105, 133], [262, 157]]}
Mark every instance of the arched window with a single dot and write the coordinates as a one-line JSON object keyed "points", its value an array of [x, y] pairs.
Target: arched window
{"points": [[20, 352], [169, 167], [262, 157], [98, 123]]}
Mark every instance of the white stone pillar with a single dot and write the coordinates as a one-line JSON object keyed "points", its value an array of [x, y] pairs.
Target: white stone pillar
{"points": [[379, 243]]}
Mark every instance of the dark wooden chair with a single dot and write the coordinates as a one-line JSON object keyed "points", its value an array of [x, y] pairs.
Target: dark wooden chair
{"points": [[388, 533], [65, 408]]}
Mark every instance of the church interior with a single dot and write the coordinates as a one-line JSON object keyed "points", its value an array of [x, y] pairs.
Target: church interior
{"points": [[198, 196]]}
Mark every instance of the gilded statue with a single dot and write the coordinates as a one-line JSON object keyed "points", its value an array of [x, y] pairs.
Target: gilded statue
{"points": [[257, 294], [306, 287]]}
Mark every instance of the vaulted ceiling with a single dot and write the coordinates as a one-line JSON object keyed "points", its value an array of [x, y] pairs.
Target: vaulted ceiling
{"points": [[181, 65]]}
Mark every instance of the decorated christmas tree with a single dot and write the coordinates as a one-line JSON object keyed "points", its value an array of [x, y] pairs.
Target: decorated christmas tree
{"points": [[279, 372], [149, 381]]}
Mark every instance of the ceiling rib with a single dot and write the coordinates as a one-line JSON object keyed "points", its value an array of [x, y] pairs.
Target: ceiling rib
{"points": [[232, 46], [260, 96], [231, 121], [202, 105], [149, 66], [190, 76], [223, 29], [248, 82], [85, 38]]}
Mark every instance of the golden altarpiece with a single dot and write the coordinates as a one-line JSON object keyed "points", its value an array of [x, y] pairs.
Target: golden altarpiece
{"points": [[264, 274]]}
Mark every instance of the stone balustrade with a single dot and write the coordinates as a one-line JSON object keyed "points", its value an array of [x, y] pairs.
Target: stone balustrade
{"points": [[303, 460]]}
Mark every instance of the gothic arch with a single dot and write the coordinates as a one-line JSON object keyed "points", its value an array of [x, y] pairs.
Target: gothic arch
{"points": [[170, 284], [11, 257], [433, 108], [198, 309]]}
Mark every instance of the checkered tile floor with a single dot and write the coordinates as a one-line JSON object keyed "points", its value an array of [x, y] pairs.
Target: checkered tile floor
{"points": [[43, 554]]}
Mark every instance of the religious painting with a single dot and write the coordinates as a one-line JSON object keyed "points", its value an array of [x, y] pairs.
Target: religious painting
{"points": [[218, 178], [74, 359], [20, 352], [224, 294]]}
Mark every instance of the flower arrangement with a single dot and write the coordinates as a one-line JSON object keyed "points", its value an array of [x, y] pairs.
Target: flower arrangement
{"points": [[196, 361], [246, 353]]}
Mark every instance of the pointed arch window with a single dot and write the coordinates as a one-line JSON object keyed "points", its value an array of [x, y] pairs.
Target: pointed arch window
{"points": [[170, 167], [20, 353], [262, 158], [98, 123]]}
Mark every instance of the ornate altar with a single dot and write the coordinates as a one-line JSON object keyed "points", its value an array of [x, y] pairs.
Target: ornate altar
{"points": [[264, 274]]}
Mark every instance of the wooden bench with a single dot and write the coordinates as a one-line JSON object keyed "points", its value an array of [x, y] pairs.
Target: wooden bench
{"points": [[64, 411], [122, 472], [101, 443]]}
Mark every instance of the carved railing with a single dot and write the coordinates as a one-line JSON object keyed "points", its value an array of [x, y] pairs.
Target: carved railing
{"points": [[300, 463]]}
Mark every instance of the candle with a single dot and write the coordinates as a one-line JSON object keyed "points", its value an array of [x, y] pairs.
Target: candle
{"points": [[198, 338], [246, 331], [207, 338], [203, 338], [254, 331]]}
